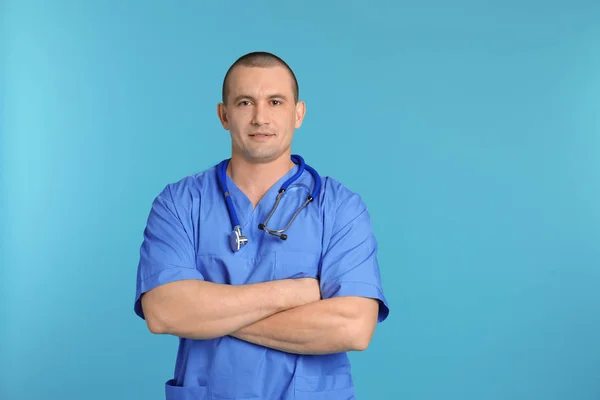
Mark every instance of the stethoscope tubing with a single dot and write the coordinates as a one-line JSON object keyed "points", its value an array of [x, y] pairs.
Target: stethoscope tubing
{"points": [[302, 166]]}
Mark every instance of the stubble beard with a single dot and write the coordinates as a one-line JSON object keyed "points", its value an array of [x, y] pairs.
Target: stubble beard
{"points": [[261, 155]]}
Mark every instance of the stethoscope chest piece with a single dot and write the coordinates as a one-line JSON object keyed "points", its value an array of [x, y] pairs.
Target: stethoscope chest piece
{"points": [[237, 240]]}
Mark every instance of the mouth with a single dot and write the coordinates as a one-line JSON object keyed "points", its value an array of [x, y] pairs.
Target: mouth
{"points": [[261, 134]]}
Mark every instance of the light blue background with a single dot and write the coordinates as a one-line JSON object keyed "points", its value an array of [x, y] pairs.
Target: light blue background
{"points": [[472, 130]]}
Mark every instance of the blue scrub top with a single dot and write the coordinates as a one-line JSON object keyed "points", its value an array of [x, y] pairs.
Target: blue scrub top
{"points": [[187, 237]]}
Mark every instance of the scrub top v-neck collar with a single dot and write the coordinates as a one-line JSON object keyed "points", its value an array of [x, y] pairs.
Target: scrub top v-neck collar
{"points": [[244, 208]]}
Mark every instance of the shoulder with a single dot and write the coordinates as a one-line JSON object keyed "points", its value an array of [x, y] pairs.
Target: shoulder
{"points": [[188, 188], [342, 206], [336, 196]]}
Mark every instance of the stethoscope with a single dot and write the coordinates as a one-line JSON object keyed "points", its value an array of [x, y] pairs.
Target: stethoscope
{"points": [[237, 240]]}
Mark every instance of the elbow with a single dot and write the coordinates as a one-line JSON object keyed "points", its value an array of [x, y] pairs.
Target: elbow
{"points": [[362, 344], [360, 341], [154, 318], [161, 326], [155, 325], [361, 333], [364, 323], [162, 322]]}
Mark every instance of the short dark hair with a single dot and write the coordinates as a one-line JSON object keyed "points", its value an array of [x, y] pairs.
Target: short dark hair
{"points": [[260, 59]]}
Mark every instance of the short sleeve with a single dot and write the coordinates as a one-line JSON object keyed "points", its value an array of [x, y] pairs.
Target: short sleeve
{"points": [[167, 251], [349, 265]]}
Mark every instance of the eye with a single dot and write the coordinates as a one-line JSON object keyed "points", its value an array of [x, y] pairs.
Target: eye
{"points": [[244, 103], [276, 102]]}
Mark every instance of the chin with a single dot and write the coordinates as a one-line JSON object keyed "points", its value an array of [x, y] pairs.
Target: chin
{"points": [[262, 156]]}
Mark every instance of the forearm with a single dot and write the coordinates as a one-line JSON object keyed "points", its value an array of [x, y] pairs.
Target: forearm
{"points": [[322, 327], [203, 310]]}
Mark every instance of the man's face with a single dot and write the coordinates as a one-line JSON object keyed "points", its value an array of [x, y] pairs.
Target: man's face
{"points": [[260, 112]]}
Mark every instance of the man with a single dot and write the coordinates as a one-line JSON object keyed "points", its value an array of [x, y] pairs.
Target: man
{"points": [[260, 317]]}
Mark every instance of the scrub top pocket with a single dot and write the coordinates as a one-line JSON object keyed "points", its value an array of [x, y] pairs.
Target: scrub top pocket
{"points": [[327, 387], [234, 269], [174, 392], [296, 264]]}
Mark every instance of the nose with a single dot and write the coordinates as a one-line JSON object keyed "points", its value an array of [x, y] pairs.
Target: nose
{"points": [[260, 116]]}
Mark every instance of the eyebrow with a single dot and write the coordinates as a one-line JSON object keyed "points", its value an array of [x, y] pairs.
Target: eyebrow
{"points": [[246, 96]]}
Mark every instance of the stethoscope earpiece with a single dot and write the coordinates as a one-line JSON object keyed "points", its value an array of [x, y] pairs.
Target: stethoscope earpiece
{"points": [[281, 236]]}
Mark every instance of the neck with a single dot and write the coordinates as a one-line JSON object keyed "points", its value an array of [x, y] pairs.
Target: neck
{"points": [[255, 179]]}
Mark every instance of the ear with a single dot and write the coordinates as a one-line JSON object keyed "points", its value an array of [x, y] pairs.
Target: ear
{"points": [[222, 114], [300, 111]]}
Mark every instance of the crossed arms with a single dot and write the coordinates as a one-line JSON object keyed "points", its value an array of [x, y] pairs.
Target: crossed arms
{"points": [[287, 315]]}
